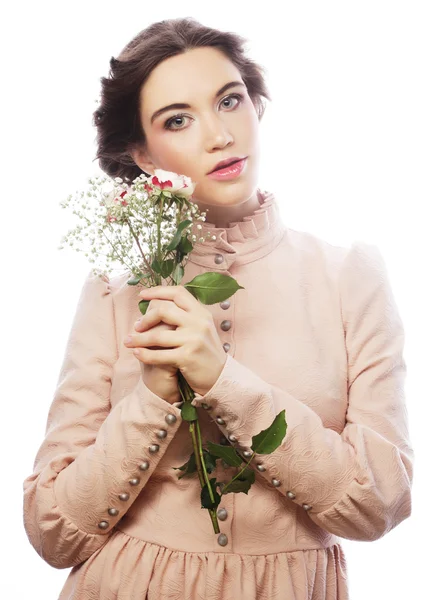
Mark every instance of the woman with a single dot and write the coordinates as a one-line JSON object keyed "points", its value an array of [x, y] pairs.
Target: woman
{"points": [[316, 332]]}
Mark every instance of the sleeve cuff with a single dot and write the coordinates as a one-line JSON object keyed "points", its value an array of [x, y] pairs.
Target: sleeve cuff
{"points": [[144, 392], [235, 397]]}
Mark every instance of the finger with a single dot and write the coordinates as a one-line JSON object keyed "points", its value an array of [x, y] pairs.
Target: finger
{"points": [[155, 337], [158, 357], [178, 293], [170, 314], [161, 326]]}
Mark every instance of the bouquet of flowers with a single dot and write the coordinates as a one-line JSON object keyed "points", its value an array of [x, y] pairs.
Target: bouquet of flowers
{"points": [[147, 229]]}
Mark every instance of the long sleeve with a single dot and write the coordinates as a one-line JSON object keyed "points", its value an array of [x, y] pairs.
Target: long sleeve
{"points": [[94, 458], [355, 484]]}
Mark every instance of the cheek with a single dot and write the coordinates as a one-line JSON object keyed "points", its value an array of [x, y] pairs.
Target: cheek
{"points": [[176, 152], [250, 124]]}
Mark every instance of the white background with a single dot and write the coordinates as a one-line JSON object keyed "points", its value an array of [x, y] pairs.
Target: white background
{"points": [[343, 148]]}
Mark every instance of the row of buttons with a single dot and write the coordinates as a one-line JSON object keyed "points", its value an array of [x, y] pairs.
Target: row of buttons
{"points": [[143, 466], [225, 326]]}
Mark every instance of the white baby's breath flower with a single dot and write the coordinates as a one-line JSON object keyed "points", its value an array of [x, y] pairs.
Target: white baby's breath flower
{"points": [[118, 227]]}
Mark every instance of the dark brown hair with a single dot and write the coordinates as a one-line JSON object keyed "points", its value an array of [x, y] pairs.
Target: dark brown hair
{"points": [[117, 118]]}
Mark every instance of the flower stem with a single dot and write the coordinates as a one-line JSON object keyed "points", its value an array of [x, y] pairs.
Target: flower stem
{"points": [[212, 512], [140, 248], [207, 481], [195, 448], [187, 394]]}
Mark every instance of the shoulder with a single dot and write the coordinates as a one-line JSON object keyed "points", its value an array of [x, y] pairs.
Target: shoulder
{"points": [[312, 251], [315, 251], [101, 289]]}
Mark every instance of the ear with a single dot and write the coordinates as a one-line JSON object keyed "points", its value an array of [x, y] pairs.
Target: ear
{"points": [[143, 160]]}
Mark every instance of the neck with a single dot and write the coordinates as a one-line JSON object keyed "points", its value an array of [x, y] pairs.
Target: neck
{"points": [[222, 216]]}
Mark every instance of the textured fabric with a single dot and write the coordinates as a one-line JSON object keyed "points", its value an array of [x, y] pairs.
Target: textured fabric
{"points": [[316, 332]]}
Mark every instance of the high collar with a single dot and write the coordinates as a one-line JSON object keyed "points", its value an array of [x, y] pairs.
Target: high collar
{"points": [[243, 241]]}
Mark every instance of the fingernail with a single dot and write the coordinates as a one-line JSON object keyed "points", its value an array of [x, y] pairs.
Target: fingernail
{"points": [[128, 339]]}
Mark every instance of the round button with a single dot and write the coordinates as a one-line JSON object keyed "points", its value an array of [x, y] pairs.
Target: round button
{"points": [[261, 467], [225, 304], [134, 481], [153, 448], [144, 465], [226, 347], [124, 496], [218, 259], [113, 512], [220, 421], [306, 506], [233, 438], [105, 525], [162, 433], [171, 419], [222, 514], [226, 325], [277, 483], [247, 453], [291, 495], [205, 406], [222, 539]]}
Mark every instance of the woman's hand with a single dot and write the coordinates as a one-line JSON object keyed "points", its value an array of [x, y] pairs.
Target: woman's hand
{"points": [[160, 379], [193, 345]]}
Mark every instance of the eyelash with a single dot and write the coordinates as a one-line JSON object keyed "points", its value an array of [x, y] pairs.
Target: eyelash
{"points": [[179, 116]]}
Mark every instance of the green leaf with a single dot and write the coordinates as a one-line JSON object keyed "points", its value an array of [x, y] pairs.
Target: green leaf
{"points": [[188, 412], [211, 287], [178, 274], [134, 281], [177, 236], [143, 306], [269, 439], [228, 453], [206, 501], [189, 467], [156, 266], [185, 245], [247, 475], [167, 267], [237, 486], [242, 483], [137, 278], [210, 461]]}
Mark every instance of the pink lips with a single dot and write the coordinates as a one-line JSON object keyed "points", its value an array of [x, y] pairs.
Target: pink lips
{"points": [[229, 172]]}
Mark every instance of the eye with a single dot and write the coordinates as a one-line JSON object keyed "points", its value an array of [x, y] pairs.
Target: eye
{"points": [[169, 122]]}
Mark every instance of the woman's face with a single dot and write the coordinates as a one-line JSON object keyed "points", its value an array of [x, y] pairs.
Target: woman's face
{"points": [[191, 141]]}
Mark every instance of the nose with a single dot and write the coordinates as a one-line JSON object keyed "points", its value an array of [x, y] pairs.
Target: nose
{"points": [[217, 134]]}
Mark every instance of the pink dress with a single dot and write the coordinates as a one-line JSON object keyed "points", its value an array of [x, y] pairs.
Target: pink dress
{"points": [[316, 332]]}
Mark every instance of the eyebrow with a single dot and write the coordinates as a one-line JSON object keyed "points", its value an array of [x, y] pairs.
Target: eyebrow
{"points": [[181, 105]]}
